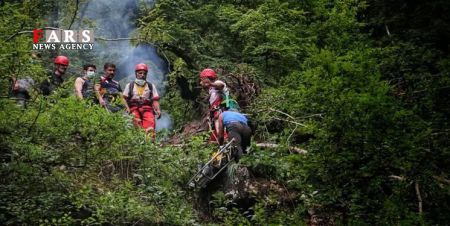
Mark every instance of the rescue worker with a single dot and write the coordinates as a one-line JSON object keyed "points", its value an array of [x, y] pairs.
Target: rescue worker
{"points": [[55, 78], [216, 89], [108, 90], [20, 90], [142, 100], [84, 86], [237, 128]]}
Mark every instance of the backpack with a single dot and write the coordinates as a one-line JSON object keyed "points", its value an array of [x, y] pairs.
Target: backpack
{"points": [[228, 103]]}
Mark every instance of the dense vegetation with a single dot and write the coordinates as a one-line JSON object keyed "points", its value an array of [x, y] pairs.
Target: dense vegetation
{"points": [[363, 86]]}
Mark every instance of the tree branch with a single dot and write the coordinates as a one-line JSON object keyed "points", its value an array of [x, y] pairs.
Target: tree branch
{"points": [[419, 197], [314, 115], [116, 39], [387, 30], [286, 114], [74, 14], [441, 179], [55, 28], [292, 133], [30, 31], [164, 54], [395, 177], [293, 122], [272, 146], [35, 119]]}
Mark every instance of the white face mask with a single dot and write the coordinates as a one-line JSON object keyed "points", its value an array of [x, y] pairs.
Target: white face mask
{"points": [[140, 82], [90, 74]]}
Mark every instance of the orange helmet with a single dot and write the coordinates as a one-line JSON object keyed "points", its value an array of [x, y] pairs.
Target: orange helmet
{"points": [[140, 67], [63, 60], [208, 73]]}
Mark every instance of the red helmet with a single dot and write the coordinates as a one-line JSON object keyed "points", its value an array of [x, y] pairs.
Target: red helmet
{"points": [[141, 66], [62, 60], [208, 73]]}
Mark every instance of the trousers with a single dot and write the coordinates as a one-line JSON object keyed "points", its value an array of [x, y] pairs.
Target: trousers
{"points": [[242, 137]]}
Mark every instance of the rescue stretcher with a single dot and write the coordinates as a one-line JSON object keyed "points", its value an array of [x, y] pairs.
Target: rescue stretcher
{"points": [[218, 162]]}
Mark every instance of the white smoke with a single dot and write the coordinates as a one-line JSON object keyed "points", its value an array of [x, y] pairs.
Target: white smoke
{"points": [[114, 19], [165, 122]]}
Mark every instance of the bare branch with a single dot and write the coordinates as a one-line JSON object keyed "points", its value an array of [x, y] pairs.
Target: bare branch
{"points": [[135, 223], [18, 33], [441, 179], [395, 177], [419, 197], [55, 28], [270, 145], [115, 39], [292, 133], [167, 59], [320, 115], [286, 114], [36, 118], [387, 30], [30, 31], [75, 13], [293, 122]]}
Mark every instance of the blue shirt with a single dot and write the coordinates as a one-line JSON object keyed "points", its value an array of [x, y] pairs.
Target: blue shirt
{"points": [[231, 116]]}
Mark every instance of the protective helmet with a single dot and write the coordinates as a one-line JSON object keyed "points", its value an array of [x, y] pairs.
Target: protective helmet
{"points": [[62, 60], [140, 67], [208, 73]]}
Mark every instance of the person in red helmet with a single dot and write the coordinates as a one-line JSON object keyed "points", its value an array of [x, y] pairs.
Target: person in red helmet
{"points": [[55, 78], [216, 89], [142, 100]]}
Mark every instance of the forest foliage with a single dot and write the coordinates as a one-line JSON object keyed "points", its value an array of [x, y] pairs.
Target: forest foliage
{"points": [[363, 86]]}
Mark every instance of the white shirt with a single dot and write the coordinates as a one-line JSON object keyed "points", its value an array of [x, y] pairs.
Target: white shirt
{"points": [[214, 93], [145, 94]]}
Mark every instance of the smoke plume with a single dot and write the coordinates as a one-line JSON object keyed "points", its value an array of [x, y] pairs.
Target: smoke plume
{"points": [[114, 19]]}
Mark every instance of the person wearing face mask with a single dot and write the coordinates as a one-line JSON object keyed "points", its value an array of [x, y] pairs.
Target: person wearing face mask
{"points": [[142, 100], [84, 86]]}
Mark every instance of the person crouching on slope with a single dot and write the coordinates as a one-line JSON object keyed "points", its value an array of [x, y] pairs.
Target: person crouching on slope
{"points": [[142, 100], [236, 125]]}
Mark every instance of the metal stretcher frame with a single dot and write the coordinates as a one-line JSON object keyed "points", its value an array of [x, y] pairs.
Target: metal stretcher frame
{"points": [[197, 182]]}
